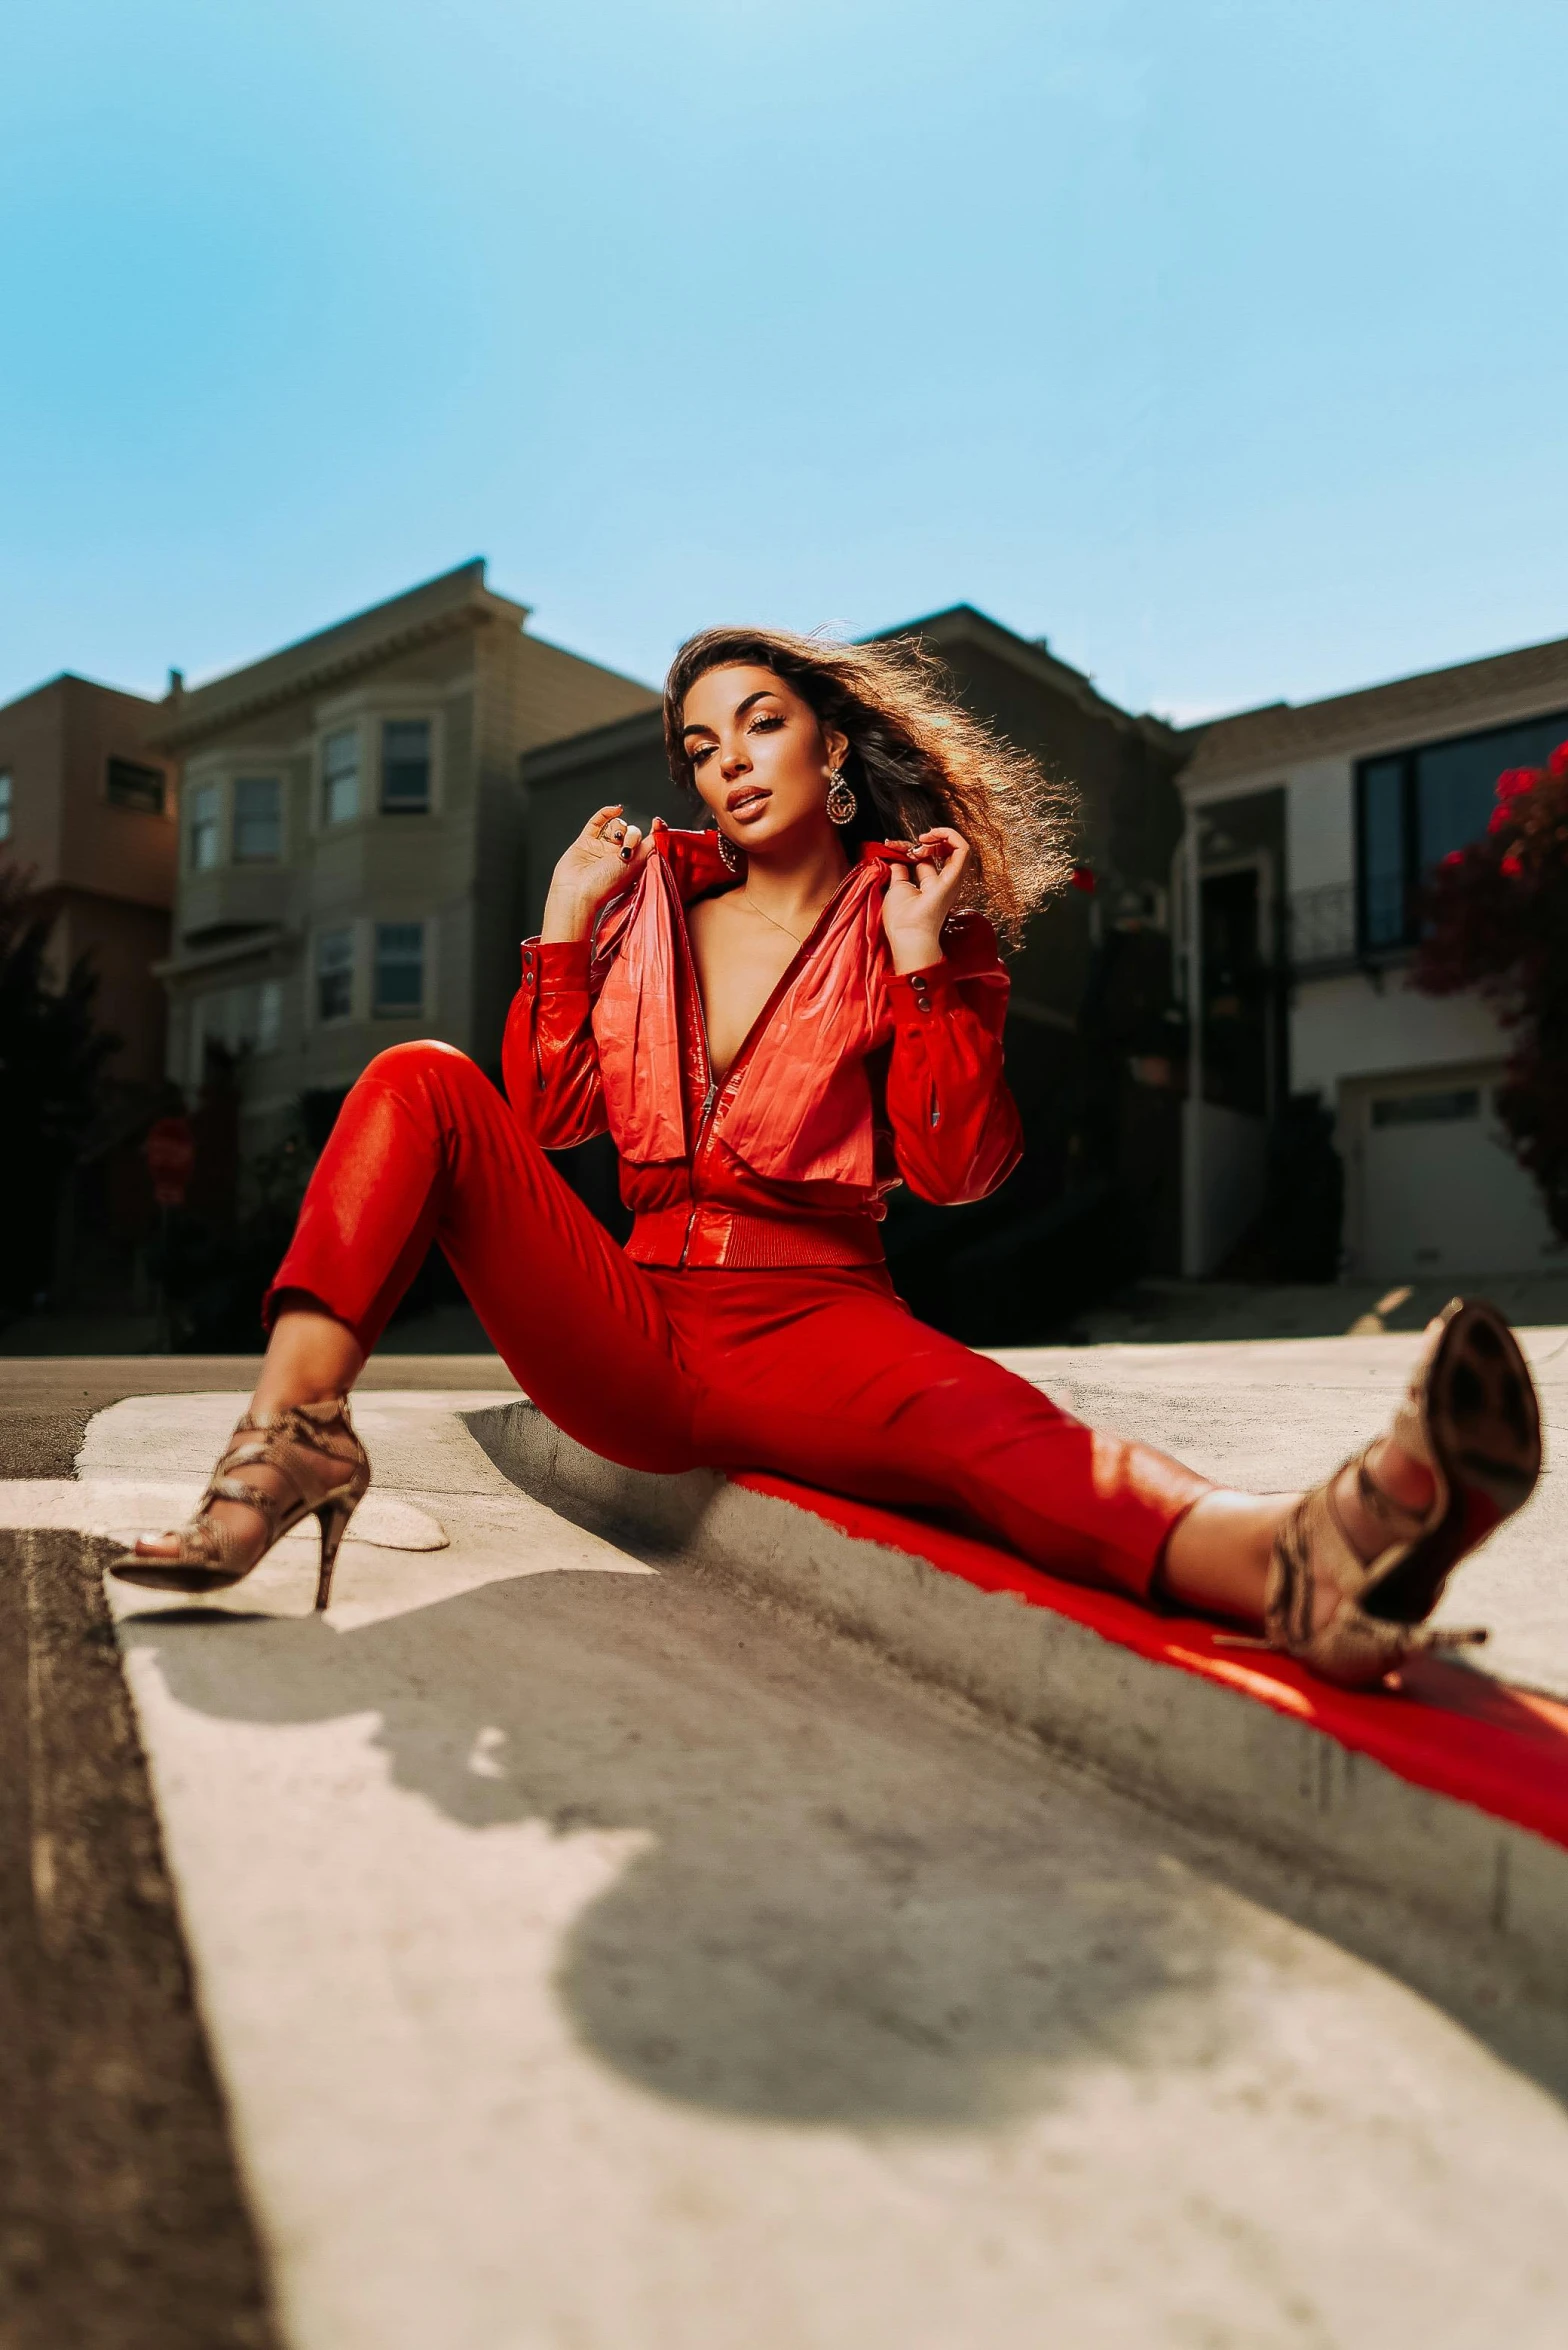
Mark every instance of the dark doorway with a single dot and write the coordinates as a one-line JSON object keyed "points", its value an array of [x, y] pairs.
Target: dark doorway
{"points": [[1235, 994]]}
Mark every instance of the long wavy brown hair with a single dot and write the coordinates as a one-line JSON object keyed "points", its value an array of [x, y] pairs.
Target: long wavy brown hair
{"points": [[916, 756]]}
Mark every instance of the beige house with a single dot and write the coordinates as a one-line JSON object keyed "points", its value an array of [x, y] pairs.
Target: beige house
{"points": [[353, 838]]}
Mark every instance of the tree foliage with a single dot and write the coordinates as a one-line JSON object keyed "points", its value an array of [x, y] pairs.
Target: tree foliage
{"points": [[51, 1059], [1495, 918]]}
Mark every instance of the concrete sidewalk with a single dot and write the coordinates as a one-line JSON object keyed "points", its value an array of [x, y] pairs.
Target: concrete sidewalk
{"points": [[599, 1957], [1182, 1313]]}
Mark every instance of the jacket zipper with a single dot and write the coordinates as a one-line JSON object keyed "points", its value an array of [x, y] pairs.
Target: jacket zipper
{"points": [[706, 1112], [712, 1094], [752, 1036]]}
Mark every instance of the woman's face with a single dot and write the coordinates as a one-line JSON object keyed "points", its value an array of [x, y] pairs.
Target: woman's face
{"points": [[759, 755]]}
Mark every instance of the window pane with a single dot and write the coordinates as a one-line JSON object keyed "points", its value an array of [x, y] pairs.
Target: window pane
{"points": [[1456, 782], [1383, 852], [340, 776], [335, 974], [5, 807], [132, 786], [1428, 1109], [203, 828], [405, 766], [269, 1015], [400, 966], [258, 818]]}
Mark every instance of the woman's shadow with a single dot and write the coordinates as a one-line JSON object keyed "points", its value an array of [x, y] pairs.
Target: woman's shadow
{"points": [[856, 1904]]}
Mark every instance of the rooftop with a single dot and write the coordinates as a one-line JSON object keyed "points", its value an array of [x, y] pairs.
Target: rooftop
{"points": [[438, 607], [1468, 695]]}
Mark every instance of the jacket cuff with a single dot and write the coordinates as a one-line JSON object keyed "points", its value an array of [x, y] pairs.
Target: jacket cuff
{"points": [[923, 994], [554, 967]]}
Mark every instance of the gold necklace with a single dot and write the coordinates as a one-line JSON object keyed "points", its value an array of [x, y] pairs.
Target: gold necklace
{"points": [[799, 937]]}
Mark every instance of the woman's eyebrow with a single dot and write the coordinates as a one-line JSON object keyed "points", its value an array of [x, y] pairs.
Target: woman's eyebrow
{"points": [[693, 726]]}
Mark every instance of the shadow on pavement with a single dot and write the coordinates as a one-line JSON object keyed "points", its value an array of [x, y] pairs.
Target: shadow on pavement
{"points": [[858, 1904]]}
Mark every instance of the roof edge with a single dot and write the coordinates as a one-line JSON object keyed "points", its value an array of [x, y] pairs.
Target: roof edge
{"points": [[1035, 659], [95, 685], [437, 607], [1487, 669]]}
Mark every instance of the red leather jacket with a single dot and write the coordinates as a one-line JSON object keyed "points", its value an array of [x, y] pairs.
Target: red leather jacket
{"points": [[850, 1080]]}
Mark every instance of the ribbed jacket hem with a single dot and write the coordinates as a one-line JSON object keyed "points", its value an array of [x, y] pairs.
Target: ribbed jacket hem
{"points": [[704, 1238]]}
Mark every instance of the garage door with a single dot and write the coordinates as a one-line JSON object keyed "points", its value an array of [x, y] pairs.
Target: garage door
{"points": [[1440, 1192]]}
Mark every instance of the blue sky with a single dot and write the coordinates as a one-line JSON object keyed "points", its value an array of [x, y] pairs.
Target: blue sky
{"points": [[1224, 342]]}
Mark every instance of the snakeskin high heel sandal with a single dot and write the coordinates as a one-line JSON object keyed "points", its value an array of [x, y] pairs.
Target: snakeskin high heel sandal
{"points": [[1471, 1417], [313, 1447]]}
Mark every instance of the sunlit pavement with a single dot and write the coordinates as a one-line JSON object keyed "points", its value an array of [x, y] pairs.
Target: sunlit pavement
{"points": [[594, 1956]]}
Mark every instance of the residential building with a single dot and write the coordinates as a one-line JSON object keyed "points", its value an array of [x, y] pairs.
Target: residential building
{"points": [[1309, 831], [1094, 1041], [87, 810], [353, 865]]}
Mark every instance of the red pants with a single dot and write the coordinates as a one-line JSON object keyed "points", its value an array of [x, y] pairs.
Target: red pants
{"points": [[821, 1375]]}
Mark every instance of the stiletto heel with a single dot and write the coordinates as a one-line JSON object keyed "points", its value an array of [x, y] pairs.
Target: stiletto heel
{"points": [[1471, 1417], [311, 1446], [332, 1518]]}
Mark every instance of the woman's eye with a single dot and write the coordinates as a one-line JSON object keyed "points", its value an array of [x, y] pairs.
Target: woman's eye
{"points": [[766, 722], [700, 753]]}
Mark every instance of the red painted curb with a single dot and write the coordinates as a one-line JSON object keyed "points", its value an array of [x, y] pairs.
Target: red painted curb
{"points": [[1439, 1726]]}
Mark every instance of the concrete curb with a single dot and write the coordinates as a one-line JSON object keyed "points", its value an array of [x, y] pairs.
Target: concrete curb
{"points": [[1208, 1754]]}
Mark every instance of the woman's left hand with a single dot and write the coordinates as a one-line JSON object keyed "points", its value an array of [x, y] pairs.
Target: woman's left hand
{"points": [[920, 896]]}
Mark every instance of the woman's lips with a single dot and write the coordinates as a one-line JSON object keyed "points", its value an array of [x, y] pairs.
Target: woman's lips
{"points": [[749, 802]]}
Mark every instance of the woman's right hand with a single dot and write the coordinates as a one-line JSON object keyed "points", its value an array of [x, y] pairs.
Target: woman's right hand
{"points": [[605, 856]]}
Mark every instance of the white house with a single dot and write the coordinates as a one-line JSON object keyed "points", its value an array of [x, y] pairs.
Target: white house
{"points": [[1308, 832]]}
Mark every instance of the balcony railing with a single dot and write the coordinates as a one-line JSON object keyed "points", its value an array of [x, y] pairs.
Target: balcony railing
{"points": [[1323, 933], [1321, 927]]}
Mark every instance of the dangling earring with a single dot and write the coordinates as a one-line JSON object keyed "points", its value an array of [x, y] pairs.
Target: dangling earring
{"points": [[842, 802], [728, 852]]}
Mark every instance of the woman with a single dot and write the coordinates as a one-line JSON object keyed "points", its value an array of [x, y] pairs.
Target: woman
{"points": [[778, 1019]]}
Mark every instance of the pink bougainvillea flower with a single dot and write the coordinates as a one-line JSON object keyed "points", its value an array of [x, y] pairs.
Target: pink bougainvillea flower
{"points": [[1501, 817], [1084, 879], [1512, 865], [1454, 856], [1516, 780], [1557, 764]]}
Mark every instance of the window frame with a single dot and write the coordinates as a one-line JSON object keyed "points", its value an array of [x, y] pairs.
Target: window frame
{"points": [[413, 1011], [339, 729], [238, 781], [366, 713], [270, 1007], [246, 1016], [210, 786], [384, 720], [348, 930], [1408, 760], [138, 767]]}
